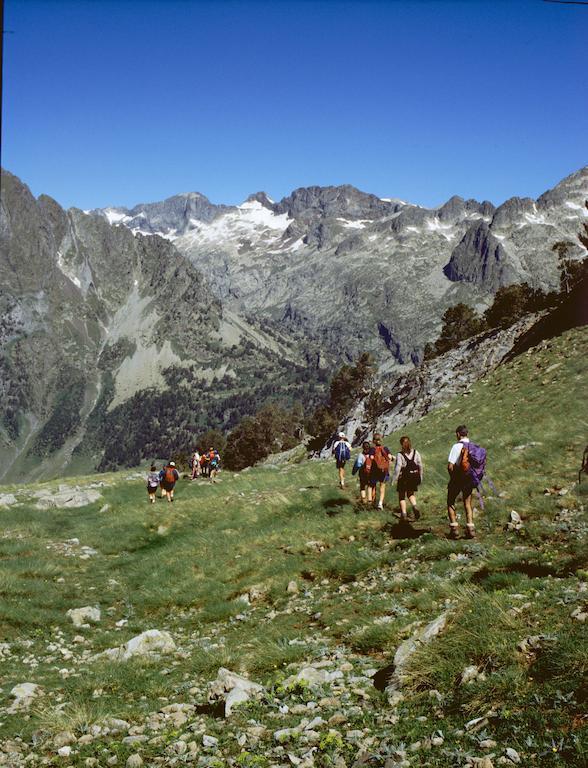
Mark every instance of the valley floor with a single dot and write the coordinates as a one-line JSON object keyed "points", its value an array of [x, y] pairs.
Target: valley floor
{"points": [[276, 574]]}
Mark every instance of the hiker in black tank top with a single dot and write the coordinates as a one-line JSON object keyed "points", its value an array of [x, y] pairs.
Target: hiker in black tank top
{"points": [[408, 472]]}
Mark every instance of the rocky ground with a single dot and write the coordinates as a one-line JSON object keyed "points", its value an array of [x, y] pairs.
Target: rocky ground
{"points": [[269, 621]]}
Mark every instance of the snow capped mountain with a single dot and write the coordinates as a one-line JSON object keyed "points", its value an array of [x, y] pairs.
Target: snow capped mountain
{"points": [[358, 272], [127, 320]]}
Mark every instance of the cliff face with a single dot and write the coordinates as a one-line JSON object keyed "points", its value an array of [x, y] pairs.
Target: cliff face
{"points": [[98, 323]]}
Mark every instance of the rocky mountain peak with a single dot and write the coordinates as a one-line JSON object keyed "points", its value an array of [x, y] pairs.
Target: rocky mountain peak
{"points": [[456, 208], [341, 201], [263, 198]]}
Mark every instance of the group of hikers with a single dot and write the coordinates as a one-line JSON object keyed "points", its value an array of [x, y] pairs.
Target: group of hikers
{"points": [[206, 464], [465, 464]]}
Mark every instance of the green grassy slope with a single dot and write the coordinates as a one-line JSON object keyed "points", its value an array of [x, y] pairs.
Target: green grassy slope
{"points": [[364, 585]]}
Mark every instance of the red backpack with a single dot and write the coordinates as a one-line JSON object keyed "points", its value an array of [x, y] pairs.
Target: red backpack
{"points": [[169, 475], [381, 458]]}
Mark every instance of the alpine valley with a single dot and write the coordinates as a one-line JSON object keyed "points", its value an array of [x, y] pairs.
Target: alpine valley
{"points": [[125, 332]]}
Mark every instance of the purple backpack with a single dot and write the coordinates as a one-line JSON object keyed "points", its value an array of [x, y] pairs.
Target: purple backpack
{"points": [[476, 456]]}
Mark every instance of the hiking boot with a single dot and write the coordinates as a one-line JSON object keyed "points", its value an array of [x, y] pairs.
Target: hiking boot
{"points": [[380, 505], [454, 532], [416, 514], [470, 532]]}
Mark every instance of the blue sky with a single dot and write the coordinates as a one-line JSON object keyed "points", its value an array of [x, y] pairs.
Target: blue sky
{"points": [[120, 102]]}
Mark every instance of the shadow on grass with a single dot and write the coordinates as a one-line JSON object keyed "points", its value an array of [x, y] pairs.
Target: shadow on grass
{"points": [[335, 506], [403, 530], [495, 578]]}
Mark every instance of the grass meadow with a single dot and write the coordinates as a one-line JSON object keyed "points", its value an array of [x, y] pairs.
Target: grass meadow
{"points": [[364, 583]]}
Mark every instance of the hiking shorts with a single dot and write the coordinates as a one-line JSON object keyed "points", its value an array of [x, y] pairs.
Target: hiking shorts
{"points": [[340, 463], [151, 489], [167, 486], [458, 485], [406, 488], [378, 476]]}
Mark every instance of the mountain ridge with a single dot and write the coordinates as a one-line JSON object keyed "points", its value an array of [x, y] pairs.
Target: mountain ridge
{"points": [[111, 318]]}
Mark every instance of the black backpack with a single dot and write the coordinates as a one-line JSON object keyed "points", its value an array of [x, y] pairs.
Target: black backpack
{"points": [[410, 471]]}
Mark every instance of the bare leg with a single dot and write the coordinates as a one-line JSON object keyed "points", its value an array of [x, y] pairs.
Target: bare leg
{"points": [[382, 493], [470, 526], [402, 503]]}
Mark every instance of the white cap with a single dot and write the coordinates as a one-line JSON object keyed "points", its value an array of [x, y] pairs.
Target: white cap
{"points": [[172, 463]]}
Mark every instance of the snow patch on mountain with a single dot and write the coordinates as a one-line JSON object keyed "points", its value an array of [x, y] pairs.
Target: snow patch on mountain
{"points": [[115, 216], [251, 220]]}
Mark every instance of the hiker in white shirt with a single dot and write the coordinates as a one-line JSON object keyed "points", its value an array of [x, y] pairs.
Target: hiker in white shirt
{"points": [[459, 482]]}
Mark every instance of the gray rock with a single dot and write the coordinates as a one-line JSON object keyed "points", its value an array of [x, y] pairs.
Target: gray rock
{"points": [[24, 694], [421, 637], [233, 688], [80, 616], [152, 642]]}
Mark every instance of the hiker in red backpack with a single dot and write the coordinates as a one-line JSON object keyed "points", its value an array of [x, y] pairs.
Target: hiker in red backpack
{"points": [[380, 458], [342, 453], [460, 481], [408, 474], [168, 479]]}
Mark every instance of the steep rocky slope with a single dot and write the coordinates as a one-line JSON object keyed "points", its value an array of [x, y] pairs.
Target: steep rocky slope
{"points": [[395, 399], [359, 273], [106, 334]]}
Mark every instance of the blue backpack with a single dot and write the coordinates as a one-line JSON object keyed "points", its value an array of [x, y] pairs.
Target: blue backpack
{"points": [[342, 452]]}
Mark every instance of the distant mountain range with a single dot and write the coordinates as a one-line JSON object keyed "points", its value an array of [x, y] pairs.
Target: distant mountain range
{"points": [[123, 332], [355, 272]]}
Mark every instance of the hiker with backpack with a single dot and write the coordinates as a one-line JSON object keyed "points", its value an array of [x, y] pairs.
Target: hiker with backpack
{"points": [[168, 478], [204, 460], [362, 467], [195, 464], [213, 464], [379, 470], [152, 483], [342, 453], [408, 475], [466, 465]]}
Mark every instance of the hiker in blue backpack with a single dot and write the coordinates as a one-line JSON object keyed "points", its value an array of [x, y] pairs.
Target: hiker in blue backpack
{"points": [[342, 453], [466, 464]]}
